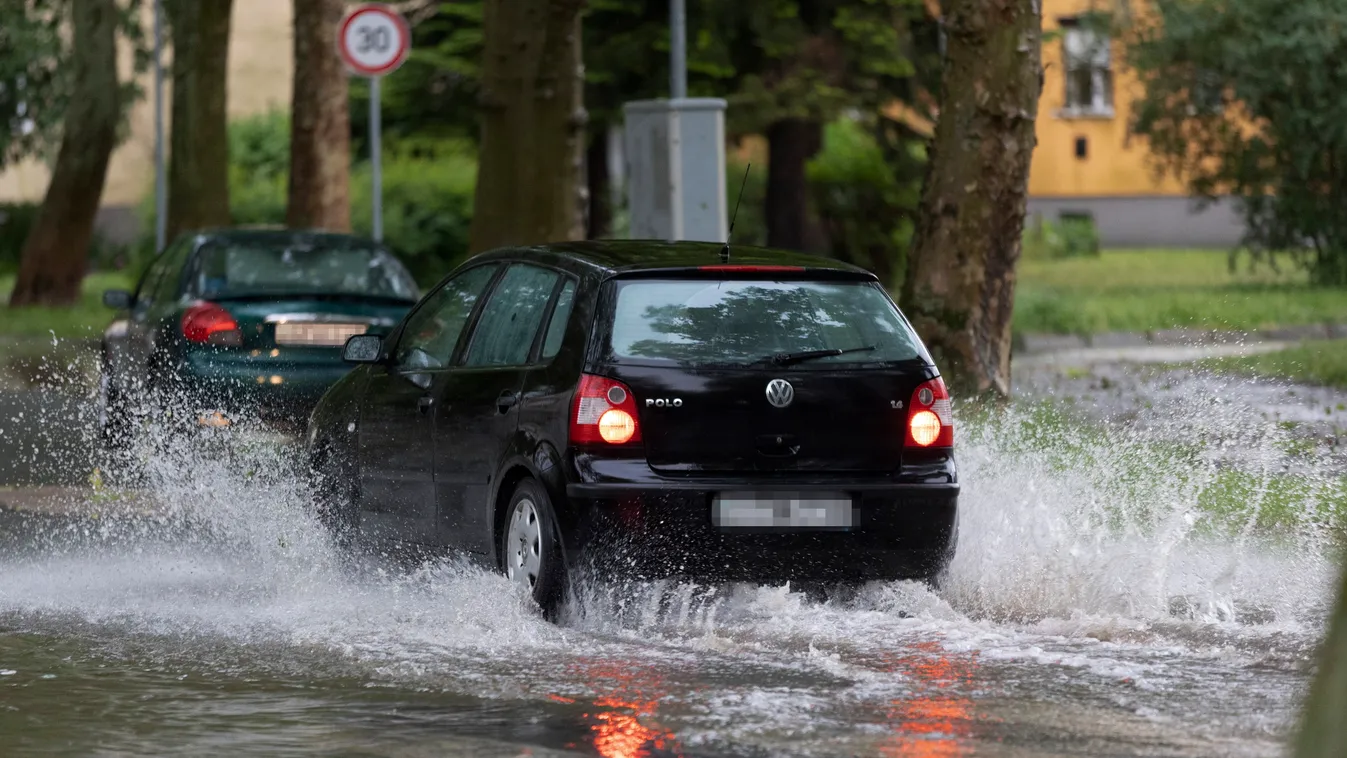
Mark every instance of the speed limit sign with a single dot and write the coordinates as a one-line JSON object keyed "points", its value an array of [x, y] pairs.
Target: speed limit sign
{"points": [[374, 40]]}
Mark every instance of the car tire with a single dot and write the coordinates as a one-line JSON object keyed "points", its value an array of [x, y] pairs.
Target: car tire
{"points": [[530, 547], [336, 500]]}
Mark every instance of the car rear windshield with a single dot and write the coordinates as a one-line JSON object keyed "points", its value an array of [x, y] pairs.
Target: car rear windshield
{"points": [[735, 323], [225, 270]]}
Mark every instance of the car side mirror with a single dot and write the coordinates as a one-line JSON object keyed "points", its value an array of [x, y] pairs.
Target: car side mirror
{"points": [[118, 300], [363, 348]]}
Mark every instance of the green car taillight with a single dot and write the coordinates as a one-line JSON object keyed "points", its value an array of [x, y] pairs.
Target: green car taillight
{"points": [[209, 324]]}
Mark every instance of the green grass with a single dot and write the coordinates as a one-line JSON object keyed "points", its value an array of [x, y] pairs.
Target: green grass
{"points": [[1145, 290], [87, 318], [1322, 362]]}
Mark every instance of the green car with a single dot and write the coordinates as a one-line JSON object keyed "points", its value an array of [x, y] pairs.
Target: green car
{"points": [[229, 325]]}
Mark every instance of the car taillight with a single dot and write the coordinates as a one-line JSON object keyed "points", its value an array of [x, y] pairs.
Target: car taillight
{"points": [[604, 413], [209, 324], [930, 418]]}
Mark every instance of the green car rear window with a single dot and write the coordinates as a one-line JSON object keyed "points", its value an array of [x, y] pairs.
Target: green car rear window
{"points": [[733, 323], [225, 270]]}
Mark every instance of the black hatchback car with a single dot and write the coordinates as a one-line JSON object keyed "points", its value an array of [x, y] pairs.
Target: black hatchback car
{"points": [[650, 408]]}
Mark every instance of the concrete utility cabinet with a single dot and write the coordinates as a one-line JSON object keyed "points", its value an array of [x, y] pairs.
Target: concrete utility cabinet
{"points": [[675, 155]]}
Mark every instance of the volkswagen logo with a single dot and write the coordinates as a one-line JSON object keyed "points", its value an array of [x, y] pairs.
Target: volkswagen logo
{"points": [[780, 393]]}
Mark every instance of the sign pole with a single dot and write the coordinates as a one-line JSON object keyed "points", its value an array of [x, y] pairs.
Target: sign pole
{"points": [[373, 41], [160, 177], [376, 158], [678, 50]]}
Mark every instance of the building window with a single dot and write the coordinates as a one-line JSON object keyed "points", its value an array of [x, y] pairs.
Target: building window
{"points": [[1207, 97], [1089, 76]]}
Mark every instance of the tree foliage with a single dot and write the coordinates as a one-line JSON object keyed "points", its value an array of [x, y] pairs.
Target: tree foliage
{"points": [[815, 59], [1245, 98], [433, 96], [36, 78], [771, 59], [867, 200], [34, 88]]}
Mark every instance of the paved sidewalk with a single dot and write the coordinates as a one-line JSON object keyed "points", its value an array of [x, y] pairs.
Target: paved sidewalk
{"points": [[1089, 356], [1036, 344], [68, 501]]}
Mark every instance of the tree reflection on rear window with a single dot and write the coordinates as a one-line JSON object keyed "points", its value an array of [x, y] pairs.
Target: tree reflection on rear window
{"points": [[728, 323], [249, 270]]}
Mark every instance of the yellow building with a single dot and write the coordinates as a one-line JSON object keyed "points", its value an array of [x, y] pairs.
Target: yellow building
{"points": [[1088, 162], [260, 71]]}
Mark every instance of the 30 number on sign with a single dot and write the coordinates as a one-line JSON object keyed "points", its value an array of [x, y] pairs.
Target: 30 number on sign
{"points": [[374, 40]]}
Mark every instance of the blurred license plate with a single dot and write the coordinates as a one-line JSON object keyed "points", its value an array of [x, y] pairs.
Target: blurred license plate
{"points": [[331, 335], [794, 510]]}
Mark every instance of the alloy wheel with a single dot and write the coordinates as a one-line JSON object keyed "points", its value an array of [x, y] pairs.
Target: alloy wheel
{"points": [[524, 545]]}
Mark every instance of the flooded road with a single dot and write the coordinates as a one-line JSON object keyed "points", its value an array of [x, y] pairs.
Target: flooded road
{"points": [[1114, 594]]}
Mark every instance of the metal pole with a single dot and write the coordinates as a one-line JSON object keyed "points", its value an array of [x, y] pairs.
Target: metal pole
{"points": [[375, 157], [160, 175], [678, 50]]}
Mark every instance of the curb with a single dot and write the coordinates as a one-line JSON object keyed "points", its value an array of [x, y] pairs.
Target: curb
{"points": [[1037, 344]]}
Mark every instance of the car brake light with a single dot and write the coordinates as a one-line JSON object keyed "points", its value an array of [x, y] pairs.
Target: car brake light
{"points": [[930, 417], [209, 324], [604, 412], [743, 269]]}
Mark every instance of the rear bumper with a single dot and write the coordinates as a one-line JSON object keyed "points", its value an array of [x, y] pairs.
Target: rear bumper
{"points": [[256, 389], [900, 531]]}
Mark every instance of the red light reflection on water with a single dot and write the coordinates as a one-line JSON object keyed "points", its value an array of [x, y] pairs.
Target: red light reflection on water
{"points": [[935, 721], [622, 720]]}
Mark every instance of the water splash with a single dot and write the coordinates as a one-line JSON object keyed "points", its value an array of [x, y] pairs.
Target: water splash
{"points": [[1201, 510], [1144, 521]]}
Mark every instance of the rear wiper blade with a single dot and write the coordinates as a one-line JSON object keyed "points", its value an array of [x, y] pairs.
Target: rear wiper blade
{"points": [[790, 359]]}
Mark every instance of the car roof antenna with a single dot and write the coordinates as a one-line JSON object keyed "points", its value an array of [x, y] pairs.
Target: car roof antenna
{"points": [[725, 251]]}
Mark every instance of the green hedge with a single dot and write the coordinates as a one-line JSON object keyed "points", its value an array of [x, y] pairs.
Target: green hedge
{"points": [[427, 206], [1068, 237], [867, 197]]}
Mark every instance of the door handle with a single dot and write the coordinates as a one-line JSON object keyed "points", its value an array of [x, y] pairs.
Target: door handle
{"points": [[507, 400], [424, 404]]}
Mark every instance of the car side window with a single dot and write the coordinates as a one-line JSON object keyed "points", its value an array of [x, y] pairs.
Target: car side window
{"points": [[561, 315], [431, 333], [512, 316], [147, 291], [166, 289]]}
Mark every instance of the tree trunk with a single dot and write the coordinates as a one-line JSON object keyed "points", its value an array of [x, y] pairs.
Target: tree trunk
{"points": [[198, 166], [791, 142], [1323, 733], [56, 252], [531, 160], [960, 285], [320, 141], [600, 219]]}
